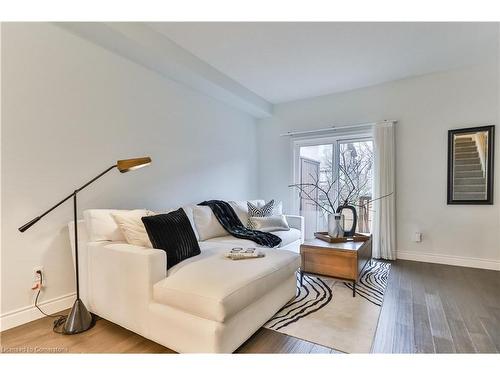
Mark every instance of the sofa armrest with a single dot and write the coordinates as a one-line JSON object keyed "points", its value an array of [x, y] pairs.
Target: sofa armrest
{"points": [[121, 279], [296, 222]]}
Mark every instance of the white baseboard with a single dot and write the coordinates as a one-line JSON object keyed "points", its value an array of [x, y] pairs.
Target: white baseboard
{"points": [[27, 314], [453, 260]]}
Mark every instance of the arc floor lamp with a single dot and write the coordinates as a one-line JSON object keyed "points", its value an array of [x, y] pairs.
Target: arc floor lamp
{"points": [[79, 319]]}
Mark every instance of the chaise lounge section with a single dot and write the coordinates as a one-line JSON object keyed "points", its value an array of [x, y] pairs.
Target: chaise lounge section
{"points": [[205, 304]]}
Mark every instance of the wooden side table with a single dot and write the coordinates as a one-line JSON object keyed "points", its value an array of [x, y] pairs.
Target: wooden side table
{"points": [[343, 260]]}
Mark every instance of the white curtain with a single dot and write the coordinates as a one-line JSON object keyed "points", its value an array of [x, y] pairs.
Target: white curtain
{"points": [[384, 215]]}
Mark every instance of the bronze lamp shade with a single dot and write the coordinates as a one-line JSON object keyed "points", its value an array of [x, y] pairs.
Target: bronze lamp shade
{"points": [[132, 164]]}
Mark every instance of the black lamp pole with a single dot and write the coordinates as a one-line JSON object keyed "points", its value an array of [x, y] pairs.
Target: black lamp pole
{"points": [[79, 318], [33, 221]]}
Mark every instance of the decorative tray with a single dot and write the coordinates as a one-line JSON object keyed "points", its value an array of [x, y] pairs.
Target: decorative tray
{"points": [[358, 237]]}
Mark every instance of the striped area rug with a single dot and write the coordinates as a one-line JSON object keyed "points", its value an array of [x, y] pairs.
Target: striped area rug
{"points": [[324, 311]]}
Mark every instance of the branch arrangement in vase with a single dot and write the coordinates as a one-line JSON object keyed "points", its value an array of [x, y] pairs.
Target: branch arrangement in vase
{"points": [[342, 193]]}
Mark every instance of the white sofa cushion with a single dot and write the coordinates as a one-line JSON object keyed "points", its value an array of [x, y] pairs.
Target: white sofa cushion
{"points": [[287, 237], [207, 224], [101, 226], [216, 288], [132, 227]]}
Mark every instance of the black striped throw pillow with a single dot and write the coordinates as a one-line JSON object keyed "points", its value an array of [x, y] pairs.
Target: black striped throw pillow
{"points": [[173, 233]]}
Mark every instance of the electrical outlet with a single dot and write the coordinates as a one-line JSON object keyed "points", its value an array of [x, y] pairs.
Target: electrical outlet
{"points": [[36, 275], [417, 237]]}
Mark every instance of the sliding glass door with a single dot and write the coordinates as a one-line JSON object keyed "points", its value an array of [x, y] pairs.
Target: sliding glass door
{"points": [[355, 180], [333, 171]]}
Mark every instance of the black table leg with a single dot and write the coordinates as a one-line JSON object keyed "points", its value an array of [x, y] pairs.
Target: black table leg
{"points": [[354, 289], [301, 278]]}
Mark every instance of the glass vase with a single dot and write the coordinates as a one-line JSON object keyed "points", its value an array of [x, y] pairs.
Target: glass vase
{"points": [[336, 225]]}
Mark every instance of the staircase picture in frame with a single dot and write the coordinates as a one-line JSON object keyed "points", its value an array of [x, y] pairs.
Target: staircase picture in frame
{"points": [[470, 165]]}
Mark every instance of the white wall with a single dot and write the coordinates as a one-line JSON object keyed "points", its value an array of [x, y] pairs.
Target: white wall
{"points": [[71, 109], [426, 107]]}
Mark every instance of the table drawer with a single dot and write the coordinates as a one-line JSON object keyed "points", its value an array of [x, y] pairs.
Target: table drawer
{"points": [[339, 264]]}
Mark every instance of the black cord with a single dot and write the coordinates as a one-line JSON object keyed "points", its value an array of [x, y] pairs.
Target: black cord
{"points": [[61, 319]]}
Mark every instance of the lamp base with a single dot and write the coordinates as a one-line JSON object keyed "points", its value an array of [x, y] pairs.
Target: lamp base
{"points": [[79, 319]]}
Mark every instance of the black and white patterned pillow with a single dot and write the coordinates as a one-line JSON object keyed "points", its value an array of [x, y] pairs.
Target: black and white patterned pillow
{"points": [[264, 211]]}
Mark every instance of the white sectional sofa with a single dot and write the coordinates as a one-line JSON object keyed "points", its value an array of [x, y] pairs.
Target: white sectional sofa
{"points": [[206, 304]]}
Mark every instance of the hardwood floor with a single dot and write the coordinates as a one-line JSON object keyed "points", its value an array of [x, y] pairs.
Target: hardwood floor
{"points": [[432, 308], [104, 337], [428, 308], [267, 341]]}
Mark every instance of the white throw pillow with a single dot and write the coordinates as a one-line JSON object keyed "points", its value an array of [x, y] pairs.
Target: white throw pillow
{"points": [[189, 210], [131, 225], [207, 224], [101, 226], [269, 223]]}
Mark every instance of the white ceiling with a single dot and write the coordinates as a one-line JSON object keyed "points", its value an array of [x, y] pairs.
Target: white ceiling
{"points": [[287, 61]]}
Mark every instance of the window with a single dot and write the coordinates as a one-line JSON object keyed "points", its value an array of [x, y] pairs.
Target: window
{"points": [[342, 170]]}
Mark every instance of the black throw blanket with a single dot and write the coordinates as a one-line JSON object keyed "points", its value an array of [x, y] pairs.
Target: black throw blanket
{"points": [[230, 222]]}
